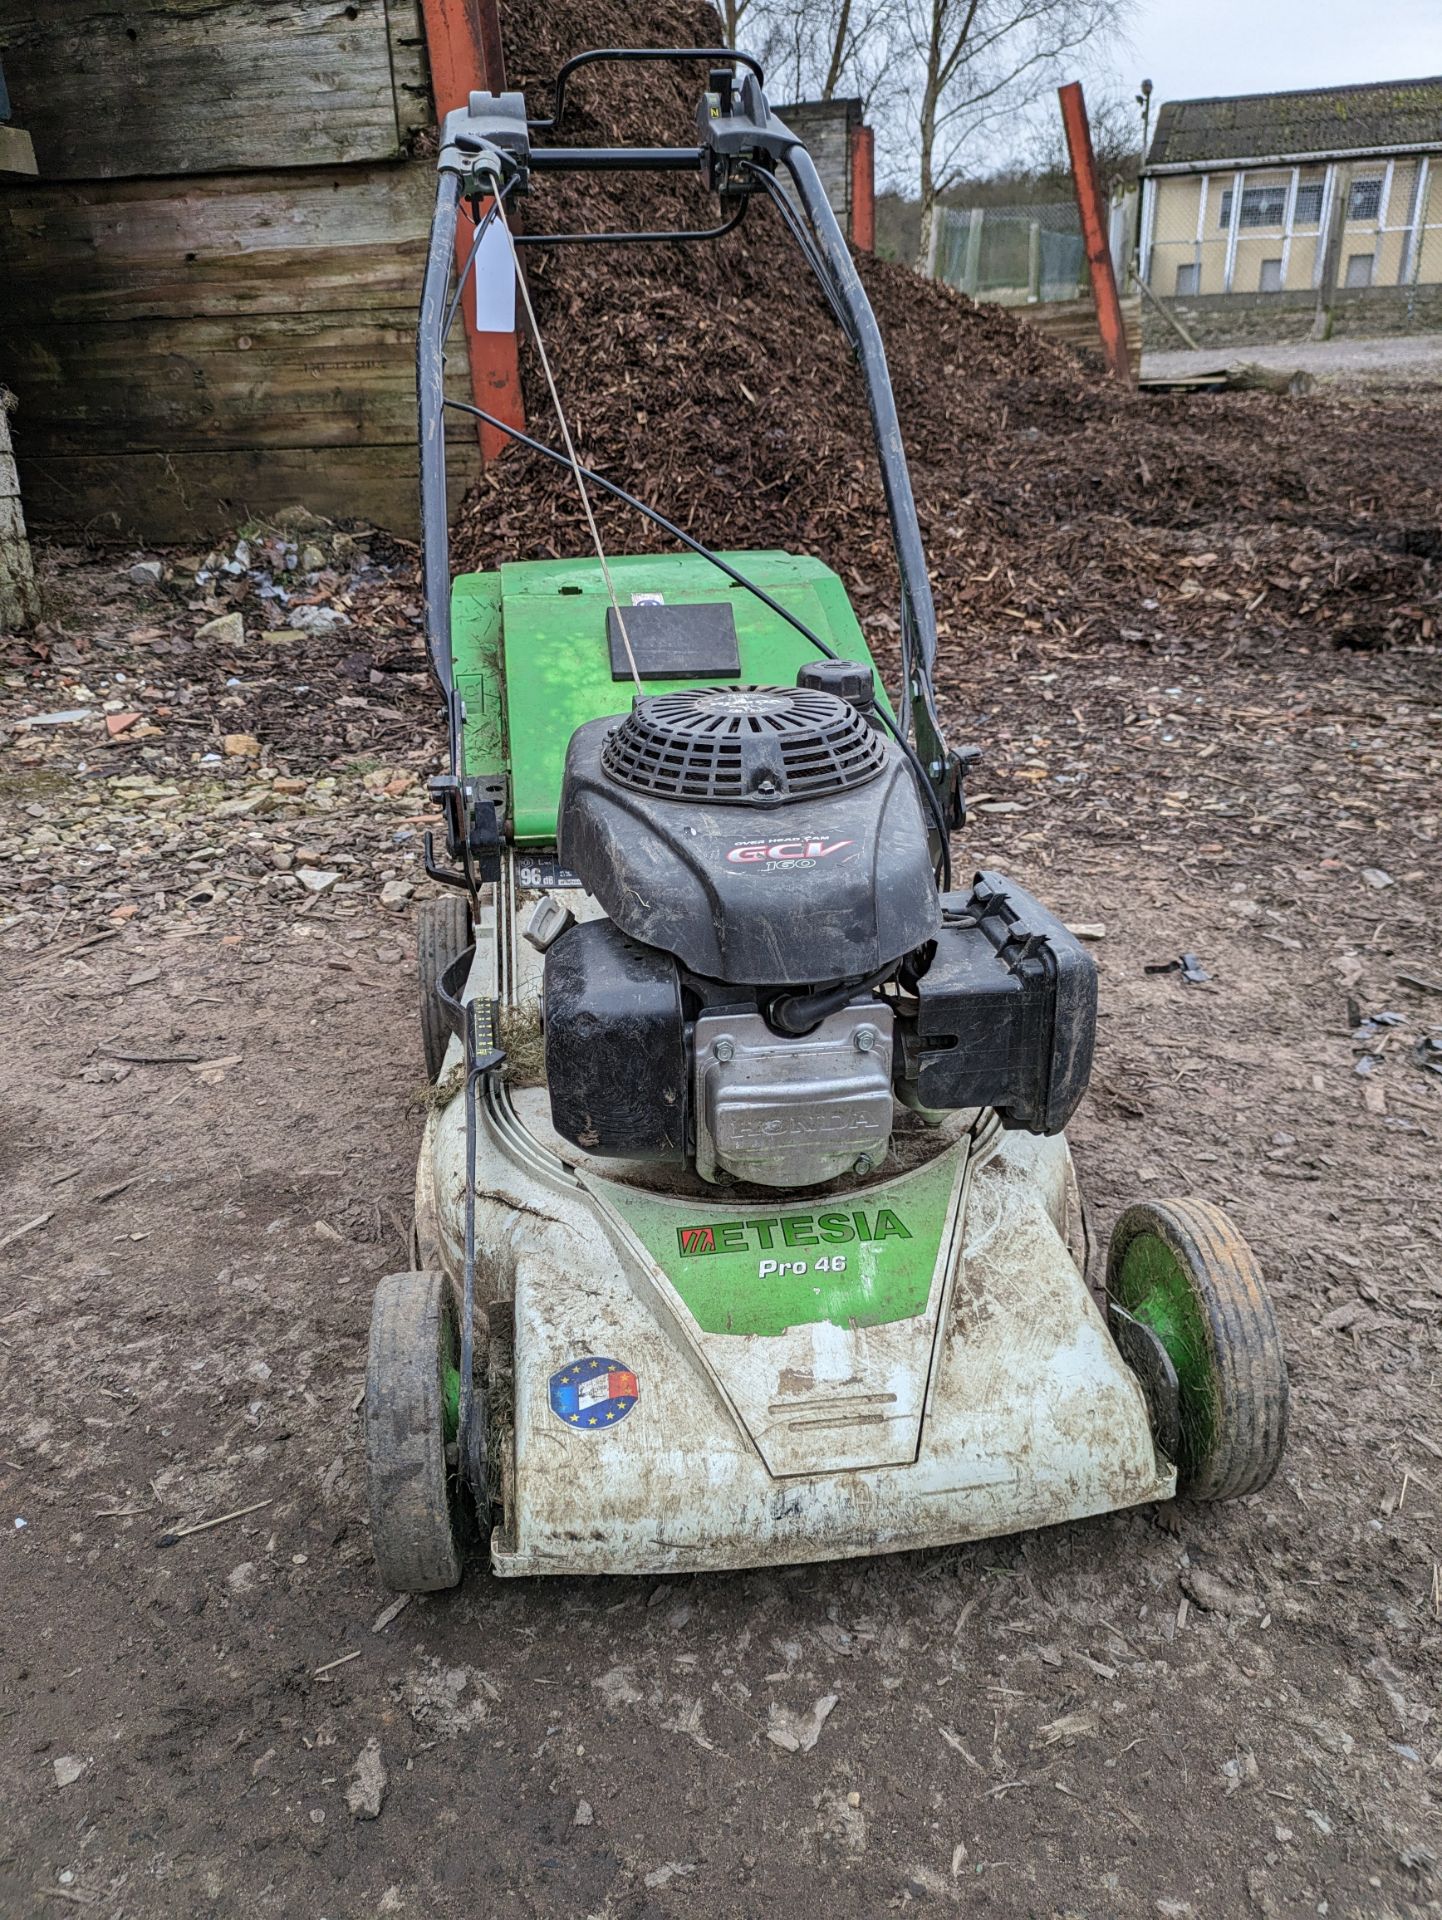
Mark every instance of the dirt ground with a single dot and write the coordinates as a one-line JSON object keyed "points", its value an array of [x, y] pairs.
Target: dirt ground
{"points": [[1198, 642], [210, 1094]]}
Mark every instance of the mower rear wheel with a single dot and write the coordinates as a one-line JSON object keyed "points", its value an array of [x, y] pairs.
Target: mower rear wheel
{"points": [[1181, 1268], [443, 932], [411, 1398]]}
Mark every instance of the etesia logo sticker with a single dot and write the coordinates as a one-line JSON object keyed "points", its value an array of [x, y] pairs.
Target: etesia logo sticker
{"points": [[805, 849], [791, 1230]]}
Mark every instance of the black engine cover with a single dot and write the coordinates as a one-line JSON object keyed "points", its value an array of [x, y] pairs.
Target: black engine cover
{"points": [[615, 1044], [809, 890], [1007, 1010]]}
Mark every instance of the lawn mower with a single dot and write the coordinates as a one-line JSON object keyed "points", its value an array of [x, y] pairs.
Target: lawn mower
{"points": [[746, 1230]]}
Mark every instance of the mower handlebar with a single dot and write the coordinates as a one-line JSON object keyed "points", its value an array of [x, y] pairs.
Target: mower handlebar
{"points": [[486, 148], [579, 60]]}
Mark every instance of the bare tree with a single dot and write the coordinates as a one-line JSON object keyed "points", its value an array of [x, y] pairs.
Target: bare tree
{"points": [[838, 48], [1116, 131], [840, 52], [736, 16], [979, 64]]}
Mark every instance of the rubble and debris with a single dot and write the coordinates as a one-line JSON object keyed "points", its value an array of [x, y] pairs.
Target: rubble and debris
{"points": [[367, 1791], [795, 1730], [218, 775], [1215, 1595], [1193, 973], [317, 619], [66, 717], [227, 629]]}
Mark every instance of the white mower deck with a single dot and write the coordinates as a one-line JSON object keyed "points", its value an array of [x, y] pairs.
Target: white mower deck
{"points": [[1002, 1404]]}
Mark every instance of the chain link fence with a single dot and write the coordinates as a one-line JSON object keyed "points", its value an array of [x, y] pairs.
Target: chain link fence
{"points": [[1024, 255], [1010, 255]]}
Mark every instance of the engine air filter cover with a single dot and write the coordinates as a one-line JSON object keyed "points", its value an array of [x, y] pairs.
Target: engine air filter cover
{"points": [[743, 746]]}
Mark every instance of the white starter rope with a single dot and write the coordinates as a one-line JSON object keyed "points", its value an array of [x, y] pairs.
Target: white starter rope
{"points": [[569, 444]]}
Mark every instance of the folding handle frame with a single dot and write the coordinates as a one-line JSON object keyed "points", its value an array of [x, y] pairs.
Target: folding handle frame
{"points": [[741, 147]]}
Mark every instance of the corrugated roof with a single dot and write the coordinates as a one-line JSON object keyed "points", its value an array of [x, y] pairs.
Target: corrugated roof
{"points": [[1322, 121]]}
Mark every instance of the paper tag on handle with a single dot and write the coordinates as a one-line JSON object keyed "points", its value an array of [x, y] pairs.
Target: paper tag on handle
{"points": [[495, 284]]}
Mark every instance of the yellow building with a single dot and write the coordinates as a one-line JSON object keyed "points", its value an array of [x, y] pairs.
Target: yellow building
{"points": [[1241, 196]]}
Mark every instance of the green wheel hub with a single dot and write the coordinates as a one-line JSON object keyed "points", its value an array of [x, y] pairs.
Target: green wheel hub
{"points": [[1181, 1269], [1154, 1287]]}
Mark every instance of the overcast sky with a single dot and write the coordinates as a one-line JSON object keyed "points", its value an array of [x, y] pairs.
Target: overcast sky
{"points": [[1193, 48], [1196, 49]]}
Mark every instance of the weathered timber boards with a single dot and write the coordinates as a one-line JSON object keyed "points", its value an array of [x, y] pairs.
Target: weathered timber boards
{"points": [[117, 250], [184, 496], [199, 86], [197, 336], [1074, 322], [409, 68], [268, 380]]}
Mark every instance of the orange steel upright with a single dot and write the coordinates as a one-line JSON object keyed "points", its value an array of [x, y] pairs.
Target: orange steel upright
{"points": [[863, 189], [1094, 230], [463, 45]]}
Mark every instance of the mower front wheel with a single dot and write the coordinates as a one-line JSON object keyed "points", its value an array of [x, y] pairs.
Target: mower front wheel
{"points": [[411, 1399], [1181, 1270]]}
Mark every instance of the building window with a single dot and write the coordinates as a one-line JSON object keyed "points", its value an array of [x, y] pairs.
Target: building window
{"points": [[1261, 206], [1309, 204], [1187, 277], [1365, 201], [1271, 280], [1359, 269]]}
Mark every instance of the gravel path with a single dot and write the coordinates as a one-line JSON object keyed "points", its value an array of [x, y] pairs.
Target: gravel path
{"points": [[1413, 360]]}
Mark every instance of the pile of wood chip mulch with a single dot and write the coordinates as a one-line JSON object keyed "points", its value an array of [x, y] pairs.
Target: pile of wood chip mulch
{"points": [[712, 381]]}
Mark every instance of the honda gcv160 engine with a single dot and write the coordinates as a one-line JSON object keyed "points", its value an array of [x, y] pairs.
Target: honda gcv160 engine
{"points": [[777, 967]]}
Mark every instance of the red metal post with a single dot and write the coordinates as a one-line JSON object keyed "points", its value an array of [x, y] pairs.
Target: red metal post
{"points": [[463, 45], [493, 56], [863, 189], [1094, 230]]}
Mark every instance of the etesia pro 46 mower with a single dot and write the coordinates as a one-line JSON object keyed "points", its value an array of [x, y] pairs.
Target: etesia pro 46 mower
{"points": [[746, 1230]]}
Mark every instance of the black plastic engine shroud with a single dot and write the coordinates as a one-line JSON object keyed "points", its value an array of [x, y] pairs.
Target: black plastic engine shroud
{"points": [[616, 1058], [826, 888], [1006, 1013]]}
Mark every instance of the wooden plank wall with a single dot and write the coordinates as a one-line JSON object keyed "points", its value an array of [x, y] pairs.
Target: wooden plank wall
{"points": [[1074, 322], [195, 343], [150, 87]]}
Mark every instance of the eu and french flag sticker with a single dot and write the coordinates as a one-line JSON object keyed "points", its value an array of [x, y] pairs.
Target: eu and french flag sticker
{"points": [[593, 1393]]}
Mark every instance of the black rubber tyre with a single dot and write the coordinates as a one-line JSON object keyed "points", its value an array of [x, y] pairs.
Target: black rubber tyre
{"points": [[413, 1360], [1182, 1269], [443, 932]]}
